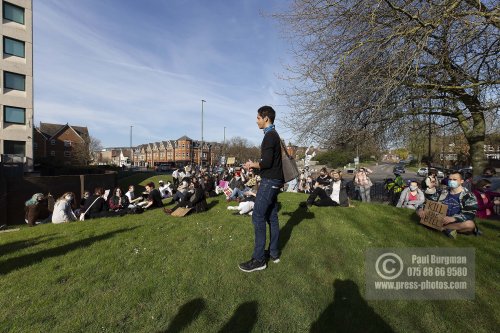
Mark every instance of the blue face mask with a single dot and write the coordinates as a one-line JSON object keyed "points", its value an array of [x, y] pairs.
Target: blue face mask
{"points": [[452, 184]]}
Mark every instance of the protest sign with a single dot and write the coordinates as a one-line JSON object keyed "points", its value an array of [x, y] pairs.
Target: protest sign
{"points": [[434, 214]]}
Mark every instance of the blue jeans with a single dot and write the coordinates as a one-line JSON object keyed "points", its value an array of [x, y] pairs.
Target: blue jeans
{"points": [[237, 193], [266, 211]]}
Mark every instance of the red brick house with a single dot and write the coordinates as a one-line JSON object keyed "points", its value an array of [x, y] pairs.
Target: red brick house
{"points": [[61, 144]]}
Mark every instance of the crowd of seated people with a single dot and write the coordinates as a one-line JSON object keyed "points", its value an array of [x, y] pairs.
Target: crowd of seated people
{"points": [[327, 189]]}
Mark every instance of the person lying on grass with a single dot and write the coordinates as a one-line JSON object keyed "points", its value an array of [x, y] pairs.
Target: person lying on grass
{"points": [[462, 207], [194, 198]]}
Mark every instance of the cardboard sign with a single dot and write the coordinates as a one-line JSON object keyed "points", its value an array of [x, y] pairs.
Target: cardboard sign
{"points": [[181, 211], [231, 160], [434, 213]]}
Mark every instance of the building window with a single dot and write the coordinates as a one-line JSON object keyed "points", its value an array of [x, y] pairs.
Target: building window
{"points": [[13, 47], [35, 145], [14, 115], [13, 13], [14, 81], [14, 148], [67, 143], [53, 142], [52, 153], [67, 154]]}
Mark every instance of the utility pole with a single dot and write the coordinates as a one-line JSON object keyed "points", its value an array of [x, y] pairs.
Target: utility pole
{"points": [[201, 148], [131, 152]]}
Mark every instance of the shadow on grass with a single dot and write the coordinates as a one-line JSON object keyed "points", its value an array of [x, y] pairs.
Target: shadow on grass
{"points": [[212, 204], [243, 319], [32, 258], [19, 245], [349, 312], [296, 217], [490, 225], [186, 315]]}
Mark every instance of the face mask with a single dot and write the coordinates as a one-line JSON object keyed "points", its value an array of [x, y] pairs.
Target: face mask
{"points": [[413, 188], [452, 184]]}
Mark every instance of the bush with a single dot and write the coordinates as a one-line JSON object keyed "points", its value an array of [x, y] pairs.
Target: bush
{"points": [[335, 158]]}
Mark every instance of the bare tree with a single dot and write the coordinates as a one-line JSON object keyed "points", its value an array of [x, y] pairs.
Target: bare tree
{"points": [[86, 152], [368, 67], [242, 149]]}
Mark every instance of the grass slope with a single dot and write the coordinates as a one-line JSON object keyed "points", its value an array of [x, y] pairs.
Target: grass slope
{"points": [[157, 273]]}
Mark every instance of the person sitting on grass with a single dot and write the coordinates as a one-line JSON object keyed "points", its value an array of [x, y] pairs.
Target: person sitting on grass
{"points": [[154, 197], [209, 186], [118, 201], [246, 205], [194, 198], [486, 200], [63, 209], [181, 191], [335, 194], [37, 209], [165, 189], [411, 197], [462, 207]]}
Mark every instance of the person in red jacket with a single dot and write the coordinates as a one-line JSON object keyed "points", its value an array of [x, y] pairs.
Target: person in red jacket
{"points": [[485, 200]]}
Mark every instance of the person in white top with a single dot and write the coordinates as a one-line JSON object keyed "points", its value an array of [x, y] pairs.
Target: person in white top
{"points": [[63, 211], [165, 190]]}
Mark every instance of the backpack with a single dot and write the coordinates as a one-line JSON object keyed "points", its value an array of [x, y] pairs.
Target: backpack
{"points": [[423, 184]]}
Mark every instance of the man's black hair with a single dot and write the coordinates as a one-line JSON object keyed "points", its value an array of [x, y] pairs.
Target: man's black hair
{"points": [[267, 111]]}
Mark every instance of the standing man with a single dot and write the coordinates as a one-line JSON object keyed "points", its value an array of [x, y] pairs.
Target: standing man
{"points": [[266, 203]]}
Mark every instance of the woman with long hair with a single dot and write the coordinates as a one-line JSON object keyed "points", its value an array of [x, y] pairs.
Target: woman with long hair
{"points": [[63, 209]]}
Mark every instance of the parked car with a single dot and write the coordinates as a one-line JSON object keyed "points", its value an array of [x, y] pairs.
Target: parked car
{"points": [[163, 168], [398, 169], [422, 172], [350, 171]]}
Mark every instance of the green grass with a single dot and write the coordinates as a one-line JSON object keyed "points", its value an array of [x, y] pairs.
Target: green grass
{"points": [[157, 273]]}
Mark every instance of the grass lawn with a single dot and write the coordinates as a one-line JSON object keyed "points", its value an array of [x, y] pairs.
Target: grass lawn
{"points": [[157, 273]]}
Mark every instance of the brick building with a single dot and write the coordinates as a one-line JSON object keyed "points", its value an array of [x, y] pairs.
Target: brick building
{"points": [[178, 152], [61, 144]]}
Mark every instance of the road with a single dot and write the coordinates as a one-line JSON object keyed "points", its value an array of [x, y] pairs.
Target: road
{"points": [[384, 170]]}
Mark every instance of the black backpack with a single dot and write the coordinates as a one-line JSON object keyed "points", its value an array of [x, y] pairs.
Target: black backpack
{"points": [[423, 184]]}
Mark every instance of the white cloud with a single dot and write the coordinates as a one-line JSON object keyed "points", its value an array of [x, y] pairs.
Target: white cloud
{"points": [[87, 74]]}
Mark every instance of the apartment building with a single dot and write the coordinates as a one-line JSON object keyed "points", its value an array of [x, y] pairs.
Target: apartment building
{"points": [[16, 94], [178, 152]]}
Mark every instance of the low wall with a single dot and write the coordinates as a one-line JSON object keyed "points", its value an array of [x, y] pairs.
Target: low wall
{"points": [[15, 191]]}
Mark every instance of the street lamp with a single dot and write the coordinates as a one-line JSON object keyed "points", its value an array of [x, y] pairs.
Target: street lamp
{"points": [[224, 146], [131, 152], [201, 148]]}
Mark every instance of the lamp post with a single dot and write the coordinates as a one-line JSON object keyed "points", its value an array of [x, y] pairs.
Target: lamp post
{"points": [[201, 147], [224, 146], [131, 152]]}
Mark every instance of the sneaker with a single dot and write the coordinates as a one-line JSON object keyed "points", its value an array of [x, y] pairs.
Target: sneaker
{"points": [[477, 232], [253, 265], [270, 257], [275, 259], [450, 233]]}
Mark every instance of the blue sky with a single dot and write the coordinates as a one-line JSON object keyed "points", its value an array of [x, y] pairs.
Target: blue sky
{"points": [[110, 64]]}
